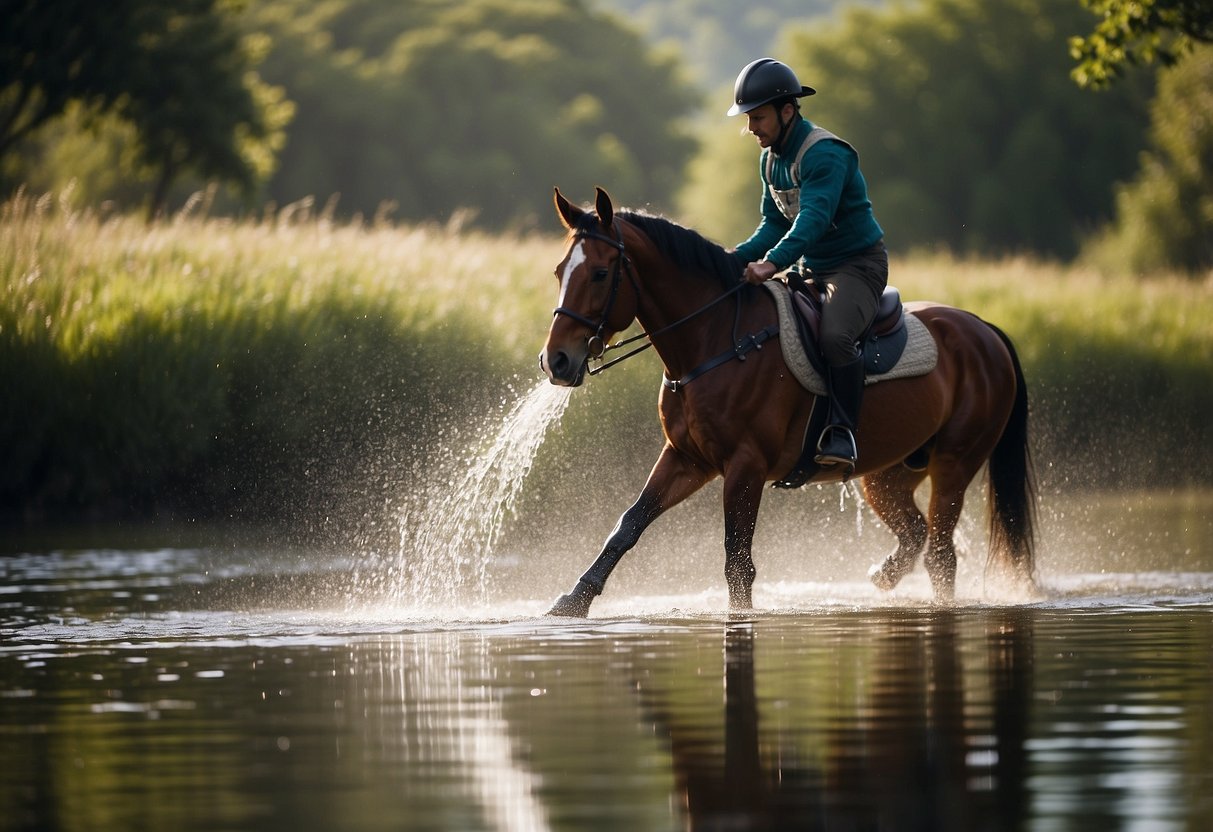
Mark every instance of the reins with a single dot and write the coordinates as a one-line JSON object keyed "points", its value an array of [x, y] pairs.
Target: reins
{"points": [[598, 349], [649, 336]]}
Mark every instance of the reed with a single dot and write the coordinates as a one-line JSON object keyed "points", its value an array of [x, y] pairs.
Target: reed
{"points": [[209, 367]]}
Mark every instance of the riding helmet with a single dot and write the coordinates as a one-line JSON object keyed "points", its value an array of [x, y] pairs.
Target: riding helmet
{"points": [[763, 81]]}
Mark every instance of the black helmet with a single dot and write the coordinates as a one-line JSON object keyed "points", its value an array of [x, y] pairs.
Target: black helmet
{"points": [[763, 81]]}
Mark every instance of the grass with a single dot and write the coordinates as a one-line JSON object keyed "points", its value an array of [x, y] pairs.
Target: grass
{"points": [[153, 366], [210, 367], [1121, 368]]}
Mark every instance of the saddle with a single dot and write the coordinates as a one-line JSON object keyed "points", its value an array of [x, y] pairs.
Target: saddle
{"points": [[882, 344], [896, 345]]}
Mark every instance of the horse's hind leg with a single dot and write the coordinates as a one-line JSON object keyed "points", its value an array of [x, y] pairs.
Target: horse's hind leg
{"points": [[941, 548], [890, 493], [947, 501]]}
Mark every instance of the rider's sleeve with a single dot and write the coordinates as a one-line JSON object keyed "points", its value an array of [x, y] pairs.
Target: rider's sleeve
{"points": [[772, 227]]}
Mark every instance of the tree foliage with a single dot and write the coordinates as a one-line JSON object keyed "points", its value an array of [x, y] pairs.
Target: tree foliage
{"points": [[181, 74], [1164, 217], [483, 105], [969, 131], [718, 37], [1136, 32]]}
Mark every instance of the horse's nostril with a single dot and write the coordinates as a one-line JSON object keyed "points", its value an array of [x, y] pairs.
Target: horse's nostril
{"points": [[559, 364]]}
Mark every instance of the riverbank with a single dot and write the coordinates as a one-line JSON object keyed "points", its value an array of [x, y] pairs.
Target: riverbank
{"points": [[268, 369]]}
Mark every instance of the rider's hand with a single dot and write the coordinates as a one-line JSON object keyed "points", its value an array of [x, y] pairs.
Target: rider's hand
{"points": [[760, 271]]}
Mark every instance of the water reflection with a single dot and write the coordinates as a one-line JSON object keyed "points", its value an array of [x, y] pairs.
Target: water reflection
{"points": [[195, 711], [430, 705], [914, 740]]}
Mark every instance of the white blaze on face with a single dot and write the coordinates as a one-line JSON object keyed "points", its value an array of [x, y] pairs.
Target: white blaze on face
{"points": [[576, 258]]}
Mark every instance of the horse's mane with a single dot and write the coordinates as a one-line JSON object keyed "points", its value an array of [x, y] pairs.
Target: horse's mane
{"points": [[688, 249]]}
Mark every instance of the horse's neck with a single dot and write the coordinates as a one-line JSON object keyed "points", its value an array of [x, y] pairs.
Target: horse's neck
{"points": [[667, 301]]}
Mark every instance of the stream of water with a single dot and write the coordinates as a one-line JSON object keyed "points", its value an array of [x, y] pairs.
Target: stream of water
{"points": [[449, 528]]}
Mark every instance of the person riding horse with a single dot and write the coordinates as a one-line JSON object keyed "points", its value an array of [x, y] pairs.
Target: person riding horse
{"points": [[816, 214]]}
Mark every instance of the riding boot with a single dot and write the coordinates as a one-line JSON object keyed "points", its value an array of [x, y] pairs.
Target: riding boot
{"points": [[836, 446]]}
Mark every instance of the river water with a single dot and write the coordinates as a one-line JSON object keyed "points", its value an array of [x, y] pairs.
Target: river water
{"points": [[221, 686], [206, 689]]}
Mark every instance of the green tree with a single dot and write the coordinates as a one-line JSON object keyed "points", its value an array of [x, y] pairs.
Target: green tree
{"points": [[181, 74], [718, 37], [484, 105], [1164, 217], [970, 133], [1136, 32], [50, 55]]}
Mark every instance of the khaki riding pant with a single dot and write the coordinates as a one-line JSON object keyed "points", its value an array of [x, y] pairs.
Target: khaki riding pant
{"points": [[852, 291]]}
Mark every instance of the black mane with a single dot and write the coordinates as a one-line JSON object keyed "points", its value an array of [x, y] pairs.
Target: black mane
{"points": [[688, 249]]}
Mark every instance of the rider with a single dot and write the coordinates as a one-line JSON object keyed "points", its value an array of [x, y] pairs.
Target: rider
{"points": [[815, 211]]}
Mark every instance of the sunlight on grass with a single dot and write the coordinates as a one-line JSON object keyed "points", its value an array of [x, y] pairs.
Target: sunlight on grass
{"points": [[155, 357]]}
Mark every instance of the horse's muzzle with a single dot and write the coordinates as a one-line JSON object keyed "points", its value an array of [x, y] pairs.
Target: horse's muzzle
{"points": [[563, 368]]}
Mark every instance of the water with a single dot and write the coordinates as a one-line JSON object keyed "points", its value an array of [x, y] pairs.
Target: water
{"points": [[449, 530], [147, 690], [219, 687]]}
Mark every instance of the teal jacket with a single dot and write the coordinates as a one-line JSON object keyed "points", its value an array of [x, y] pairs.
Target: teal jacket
{"points": [[835, 220]]}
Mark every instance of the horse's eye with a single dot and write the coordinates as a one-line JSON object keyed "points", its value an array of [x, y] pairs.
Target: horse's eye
{"points": [[599, 275]]}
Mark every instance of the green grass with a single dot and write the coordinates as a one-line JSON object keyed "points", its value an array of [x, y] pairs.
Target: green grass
{"points": [[1120, 369], [206, 367], [214, 366]]}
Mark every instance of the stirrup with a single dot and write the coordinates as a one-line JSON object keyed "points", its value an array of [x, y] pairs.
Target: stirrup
{"points": [[824, 458]]}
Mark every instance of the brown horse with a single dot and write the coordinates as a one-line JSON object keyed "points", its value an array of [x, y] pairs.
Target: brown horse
{"points": [[745, 420]]}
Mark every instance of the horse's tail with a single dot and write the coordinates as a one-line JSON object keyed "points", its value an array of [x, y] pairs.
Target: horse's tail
{"points": [[1012, 488]]}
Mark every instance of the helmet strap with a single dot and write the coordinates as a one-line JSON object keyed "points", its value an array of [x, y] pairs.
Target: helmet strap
{"points": [[783, 126]]}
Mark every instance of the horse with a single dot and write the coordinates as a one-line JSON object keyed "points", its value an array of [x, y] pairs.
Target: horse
{"points": [[736, 412]]}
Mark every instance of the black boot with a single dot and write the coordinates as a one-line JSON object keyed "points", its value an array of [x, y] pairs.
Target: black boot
{"points": [[837, 443]]}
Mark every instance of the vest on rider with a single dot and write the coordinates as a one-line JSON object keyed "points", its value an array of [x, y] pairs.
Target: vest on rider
{"points": [[785, 234], [788, 200]]}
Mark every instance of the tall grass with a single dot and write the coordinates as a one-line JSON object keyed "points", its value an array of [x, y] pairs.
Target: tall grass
{"points": [[1120, 369], [217, 367], [208, 367]]}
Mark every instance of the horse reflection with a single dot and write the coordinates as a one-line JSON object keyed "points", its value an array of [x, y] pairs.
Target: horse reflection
{"points": [[926, 743]]}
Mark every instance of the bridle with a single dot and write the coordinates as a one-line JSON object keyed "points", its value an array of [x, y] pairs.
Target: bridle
{"points": [[597, 345]]}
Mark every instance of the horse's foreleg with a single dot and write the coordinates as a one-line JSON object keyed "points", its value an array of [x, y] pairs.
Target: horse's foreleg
{"points": [[627, 531], [742, 496], [672, 480]]}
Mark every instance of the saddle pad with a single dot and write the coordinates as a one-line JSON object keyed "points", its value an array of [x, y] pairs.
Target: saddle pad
{"points": [[918, 359]]}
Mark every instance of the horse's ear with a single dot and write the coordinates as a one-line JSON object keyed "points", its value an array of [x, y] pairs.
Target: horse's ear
{"points": [[569, 213], [606, 211]]}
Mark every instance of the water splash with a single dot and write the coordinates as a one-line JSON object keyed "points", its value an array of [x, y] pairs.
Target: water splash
{"points": [[449, 528], [851, 488]]}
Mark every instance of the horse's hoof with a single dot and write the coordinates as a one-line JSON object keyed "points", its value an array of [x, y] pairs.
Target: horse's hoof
{"points": [[740, 604], [882, 579], [575, 604]]}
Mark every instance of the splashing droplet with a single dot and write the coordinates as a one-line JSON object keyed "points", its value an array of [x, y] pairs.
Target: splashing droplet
{"points": [[448, 530]]}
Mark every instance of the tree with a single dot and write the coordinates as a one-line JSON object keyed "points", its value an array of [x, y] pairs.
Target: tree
{"points": [[472, 109], [969, 131], [1164, 217], [1138, 31], [50, 55], [180, 73], [719, 37]]}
